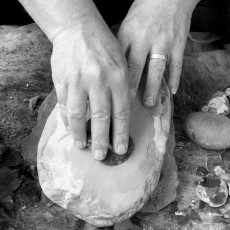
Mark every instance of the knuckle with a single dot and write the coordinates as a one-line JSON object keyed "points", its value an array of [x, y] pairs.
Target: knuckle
{"points": [[135, 64], [122, 136], [100, 115], [124, 115], [157, 65], [93, 70], [76, 115], [176, 66], [120, 75], [102, 141], [60, 90], [62, 106], [175, 70], [150, 86], [74, 81]]}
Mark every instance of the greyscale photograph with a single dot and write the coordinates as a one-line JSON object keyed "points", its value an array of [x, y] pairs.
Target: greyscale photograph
{"points": [[114, 115]]}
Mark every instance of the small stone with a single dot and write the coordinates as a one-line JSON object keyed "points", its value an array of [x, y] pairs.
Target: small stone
{"points": [[221, 173], [49, 216], [33, 102], [30, 143], [124, 225], [49, 204], [31, 192], [226, 156], [201, 171], [181, 144], [208, 130], [8, 205], [215, 160], [218, 103], [213, 191]]}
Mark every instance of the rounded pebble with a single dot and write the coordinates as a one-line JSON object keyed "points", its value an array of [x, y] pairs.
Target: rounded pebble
{"points": [[208, 130]]}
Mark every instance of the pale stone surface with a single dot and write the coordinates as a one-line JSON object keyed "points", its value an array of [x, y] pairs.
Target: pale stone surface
{"points": [[97, 193], [165, 192]]}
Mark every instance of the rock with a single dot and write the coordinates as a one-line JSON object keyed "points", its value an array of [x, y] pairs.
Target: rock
{"points": [[223, 175], [8, 205], [30, 143], [201, 171], [166, 190], [104, 195], [225, 156], [49, 216], [12, 158], [218, 103], [214, 160], [208, 130], [31, 192], [127, 224], [33, 102], [213, 191], [8, 182]]}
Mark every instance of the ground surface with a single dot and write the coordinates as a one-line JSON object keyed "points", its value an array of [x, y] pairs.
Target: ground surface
{"points": [[25, 73]]}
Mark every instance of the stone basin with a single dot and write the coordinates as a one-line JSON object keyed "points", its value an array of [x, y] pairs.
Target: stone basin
{"points": [[97, 193]]}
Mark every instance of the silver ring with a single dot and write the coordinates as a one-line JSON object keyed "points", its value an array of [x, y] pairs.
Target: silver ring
{"points": [[158, 56]]}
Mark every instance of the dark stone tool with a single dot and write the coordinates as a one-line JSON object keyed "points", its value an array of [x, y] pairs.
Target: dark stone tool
{"points": [[111, 159]]}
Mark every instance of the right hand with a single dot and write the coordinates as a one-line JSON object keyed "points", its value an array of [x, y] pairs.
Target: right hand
{"points": [[88, 64]]}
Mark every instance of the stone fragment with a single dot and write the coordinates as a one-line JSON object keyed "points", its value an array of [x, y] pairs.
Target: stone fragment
{"points": [[201, 171], [100, 194], [166, 190], [225, 156], [218, 103], [12, 158], [7, 203], [208, 130], [214, 160], [33, 102], [213, 191], [30, 143], [49, 216]]}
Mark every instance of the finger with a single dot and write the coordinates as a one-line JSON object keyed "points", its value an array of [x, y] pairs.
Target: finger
{"points": [[156, 70], [121, 110], [175, 69], [100, 121], [136, 63], [76, 113], [61, 91], [124, 43]]}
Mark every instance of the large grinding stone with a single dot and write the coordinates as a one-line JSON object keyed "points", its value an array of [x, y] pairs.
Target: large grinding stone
{"points": [[97, 193]]}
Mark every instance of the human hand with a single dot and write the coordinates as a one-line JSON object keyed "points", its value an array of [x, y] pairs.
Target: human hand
{"points": [[88, 64], [155, 27]]}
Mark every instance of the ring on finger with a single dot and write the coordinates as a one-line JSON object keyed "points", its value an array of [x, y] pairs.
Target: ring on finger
{"points": [[158, 56]]}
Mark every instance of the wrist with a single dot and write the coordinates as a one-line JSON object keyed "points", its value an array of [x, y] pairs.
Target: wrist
{"points": [[54, 16]]}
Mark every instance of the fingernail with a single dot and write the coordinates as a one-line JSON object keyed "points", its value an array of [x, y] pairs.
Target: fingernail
{"points": [[173, 90], [80, 144], [149, 101], [99, 154], [121, 149]]}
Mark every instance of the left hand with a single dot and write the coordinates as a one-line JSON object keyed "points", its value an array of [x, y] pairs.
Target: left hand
{"points": [[155, 27]]}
